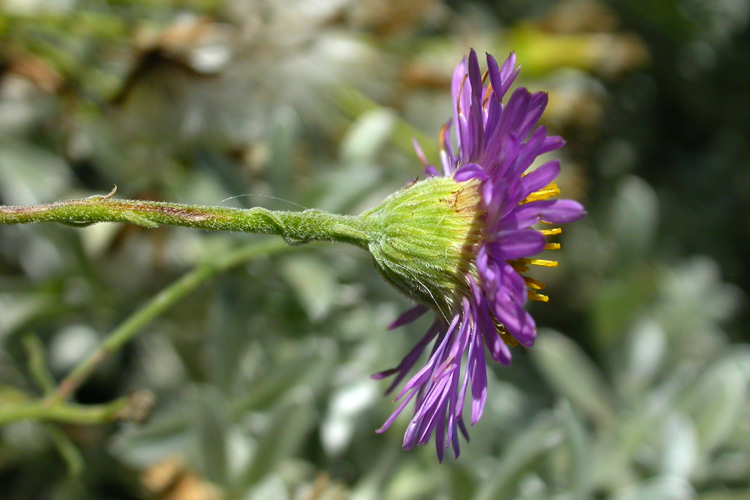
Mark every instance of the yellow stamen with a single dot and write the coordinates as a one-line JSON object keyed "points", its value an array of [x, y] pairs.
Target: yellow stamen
{"points": [[504, 335], [546, 192], [509, 340], [532, 283], [519, 267], [552, 246], [551, 232], [540, 262], [537, 296]]}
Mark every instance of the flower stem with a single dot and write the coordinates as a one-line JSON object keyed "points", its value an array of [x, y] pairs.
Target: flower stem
{"points": [[165, 299], [38, 364], [63, 412], [294, 227]]}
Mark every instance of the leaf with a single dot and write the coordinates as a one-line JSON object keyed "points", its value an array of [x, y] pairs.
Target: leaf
{"points": [[354, 104], [617, 303], [346, 407], [579, 446], [662, 488], [18, 308], [367, 135], [30, 175], [572, 375], [634, 217], [271, 487], [211, 420], [313, 282], [725, 495], [307, 363], [167, 433], [534, 442], [680, 447], [716, 404], [289, 423], [646, 347]]}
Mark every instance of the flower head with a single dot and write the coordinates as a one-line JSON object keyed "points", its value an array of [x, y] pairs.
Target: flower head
{"points": [[460, 241]]}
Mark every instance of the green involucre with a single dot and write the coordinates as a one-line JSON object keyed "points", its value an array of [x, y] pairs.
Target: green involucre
{"points": [[422, 239]]}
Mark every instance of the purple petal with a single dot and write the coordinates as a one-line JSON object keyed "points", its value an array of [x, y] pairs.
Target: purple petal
{"points": [[501, 79], [528, 151], [424, 374], [494, 114], [516, 320], [536, 107], [494, 144], [563, 211], [465, 432], [541, 177], [516, 244], [470, 171], [409, 316], [500, 277], [478, 370], [492, 202], [423, 421], [514, 111], [476, 130], [524, 216], [439, 436], [456, 446], [555, 211], [498, 349], [509, 72], [435, 412], [446, 153], [431, 171], [383, 374], [462, 130], [496, 79], [458, 408], [512, 282], [395, 414], [409, 360], [513, 195], [456, 90], [419, 151], [551, 143], [457, 80], [503, 150]]}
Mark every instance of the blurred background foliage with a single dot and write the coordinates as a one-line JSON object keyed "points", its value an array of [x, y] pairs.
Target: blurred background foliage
{"points": [[639, 385]]}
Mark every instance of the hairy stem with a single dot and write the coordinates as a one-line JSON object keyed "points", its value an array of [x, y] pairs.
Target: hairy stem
{"points": [[294, 227]]}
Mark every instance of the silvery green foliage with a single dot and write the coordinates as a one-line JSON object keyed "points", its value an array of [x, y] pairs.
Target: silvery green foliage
{"points": [[637, 388]]}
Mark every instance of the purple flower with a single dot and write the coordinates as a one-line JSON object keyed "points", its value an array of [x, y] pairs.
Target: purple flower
{"points": [[496, 144]]}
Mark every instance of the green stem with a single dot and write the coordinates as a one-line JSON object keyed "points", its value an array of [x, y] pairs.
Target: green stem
{"points": [[63, 412], [155, 307], [68, 451], [294, 227], [38, 364]]}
